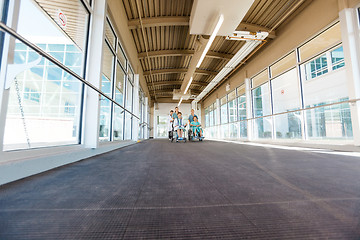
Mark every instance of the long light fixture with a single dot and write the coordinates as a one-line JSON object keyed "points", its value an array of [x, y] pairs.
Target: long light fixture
{"points": [[211, 39], [187, 87], [243, 52], [180, 101]]}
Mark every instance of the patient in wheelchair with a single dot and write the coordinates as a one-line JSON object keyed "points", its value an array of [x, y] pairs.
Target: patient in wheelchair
{"points": [[196, 127], [179, 125]]}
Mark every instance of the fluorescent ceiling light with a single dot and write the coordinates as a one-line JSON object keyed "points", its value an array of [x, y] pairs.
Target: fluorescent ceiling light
{"points": [[180, 101], [211, 39], [187, 87]]}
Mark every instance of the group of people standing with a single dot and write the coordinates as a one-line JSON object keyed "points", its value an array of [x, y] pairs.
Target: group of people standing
{"points": [[177, 123]]}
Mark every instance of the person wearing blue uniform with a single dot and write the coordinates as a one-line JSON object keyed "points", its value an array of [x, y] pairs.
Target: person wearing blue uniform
{"points": [[175, 114], [179, 125], [196, 127], [192, 115]]}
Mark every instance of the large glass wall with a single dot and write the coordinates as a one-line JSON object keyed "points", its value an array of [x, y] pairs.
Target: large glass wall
{"points": [[286, 98], [45, 103], [241, 100], [303, 95], [44, 106], [262, 107]]}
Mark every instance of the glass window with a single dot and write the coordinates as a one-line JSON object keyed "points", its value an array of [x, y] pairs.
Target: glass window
{"points": [[283, 64], [330, 122], [285, 92], [337, 58], [119, 88], [118, 123], [162, 126], [232, 105], [107, 64], [105, 119], [240, 90], [288, 125], [215, 114], [1, 9], [260, 78], [242, 107], [263, 128], [121, 56], [110, 34], [211, 118], [328, 88], [128, 126], [223, 100], [261, 100], [207, 120], [61, 23], [243, 129], [129, 95], [233, 130], [316, 67], [323, 41], [46, 104], [224, 114]]}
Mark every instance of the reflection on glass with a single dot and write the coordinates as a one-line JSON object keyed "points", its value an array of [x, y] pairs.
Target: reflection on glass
{"points": [[242, 107], [107, 62], [288, 125], [162, 126], [224, 131], [232, 110], [331, 122], [121, 56], [128, 126], [52, 32], [261, 100], [119, 88], [1, 9], [44, 106], [233, 130], [211, 118], [285, 92], [105, 118], [321, 42], [243, 129], [316, 67], [129, 95], [207, 117], [337, 58], [263, 128], [109, 34], [223, 114], [118, 123]]}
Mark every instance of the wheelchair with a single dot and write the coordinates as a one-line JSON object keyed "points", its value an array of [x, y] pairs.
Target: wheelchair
{"points": [[195, 135], [174, 136]]}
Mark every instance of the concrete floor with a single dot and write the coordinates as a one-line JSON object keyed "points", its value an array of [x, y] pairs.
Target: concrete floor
{"points": [[197, 190]]}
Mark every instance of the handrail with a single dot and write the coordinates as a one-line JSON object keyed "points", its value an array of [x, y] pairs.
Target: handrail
{"points": [[292, 111], [41, 52]]}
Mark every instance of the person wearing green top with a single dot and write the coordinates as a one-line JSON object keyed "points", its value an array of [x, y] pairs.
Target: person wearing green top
{"points": [[196, 127], [175, 114]]}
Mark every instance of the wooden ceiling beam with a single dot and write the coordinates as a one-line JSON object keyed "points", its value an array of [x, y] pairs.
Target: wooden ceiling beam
{"points": [[255, 28], [180, 53], [178, 70], [159, 21]]}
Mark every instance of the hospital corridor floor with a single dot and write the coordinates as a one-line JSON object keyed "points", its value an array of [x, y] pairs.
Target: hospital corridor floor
{"points": [[156, 189]]}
